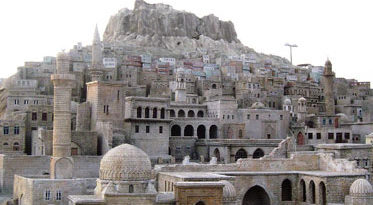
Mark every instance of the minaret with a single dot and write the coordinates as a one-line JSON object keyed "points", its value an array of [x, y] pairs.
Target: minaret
{"points": [[180, 92], [61, 162], [328, 80], [96, 71]]}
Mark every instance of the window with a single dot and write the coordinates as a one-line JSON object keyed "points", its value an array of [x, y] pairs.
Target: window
{"points": [[137, 129], [330, 121], [6, 130], [118, 95], [160, 129], [323, 121], [58, 196], [16, 130], [281, 117], [36, 102], [330, 136], [130, 188], [248, 117], [25, 102], [34, 116], [47, 195], [232, 117], [147, 129], [44, 116], [310, 136], [16, 102], [106, 109], [347, 136], [257, 117], [318, 136]]}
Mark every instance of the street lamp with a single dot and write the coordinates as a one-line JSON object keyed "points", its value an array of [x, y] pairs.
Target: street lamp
{"points": [[291, 51]]}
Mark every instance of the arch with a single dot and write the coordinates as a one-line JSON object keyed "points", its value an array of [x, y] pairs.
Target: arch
{"points": [[217, 154], [155, 112], [230, 133], [130, 188], [258, 153], [63, 168], [286, 190], [172, 113], [139, 112], [241, 153], [300, 139], [322, 193], [256, 195], [190, 113], [213, 86], [188, 130], [303, 190], [175, 130], [181, 113], [240, 134], [200, 203], [16, 146], [201, 132], [163, 113], [213, 132], [200, 113], [147, 112], [312, 192], [5, 144]]}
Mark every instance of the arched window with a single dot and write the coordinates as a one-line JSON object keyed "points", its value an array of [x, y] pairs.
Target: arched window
{"points": [[258, 153], [201, 132], [175, 130], [190, 113], [213, 86], [188, 130], [286, 190], [5, 144], [217, 154], [172, 113], [147, 112], [200, 113], [303, 190], [163, 113], [139, 112], [200, 203], [16, 146], [155, 112], [130, 188], [241, 153], [240, 134], [312, 192], [181, 113], [213, 132], [322, 195]]}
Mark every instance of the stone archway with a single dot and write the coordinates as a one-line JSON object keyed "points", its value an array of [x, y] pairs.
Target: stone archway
{"points": [[241, 153], [322, 193], [201, 132], [175, 130], [256, 195], [258, 153], [213, 132], [217, 154], [189, 130]]}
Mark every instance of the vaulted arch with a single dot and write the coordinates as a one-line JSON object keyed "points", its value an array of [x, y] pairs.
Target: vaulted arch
{"points": [[188, 130], [175, 130], [258, 153]]}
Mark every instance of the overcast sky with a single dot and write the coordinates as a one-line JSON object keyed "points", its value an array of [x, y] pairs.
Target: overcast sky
{"points": [[341, 30]]}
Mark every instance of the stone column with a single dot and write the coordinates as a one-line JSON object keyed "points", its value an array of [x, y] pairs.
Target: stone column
{"points": [[61, 162]]}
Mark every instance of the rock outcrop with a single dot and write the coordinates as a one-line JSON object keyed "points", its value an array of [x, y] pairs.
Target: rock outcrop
{"points": [[160, 30]]}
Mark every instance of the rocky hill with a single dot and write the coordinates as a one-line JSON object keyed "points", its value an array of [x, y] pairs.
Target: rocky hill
{"points": [[158, 29]]}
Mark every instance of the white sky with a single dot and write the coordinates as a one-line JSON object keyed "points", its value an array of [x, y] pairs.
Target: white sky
{"points": [[341, 30]]}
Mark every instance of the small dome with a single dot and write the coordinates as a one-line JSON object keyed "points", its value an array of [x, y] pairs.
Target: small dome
{"points": [[229, 192], [302, 99], [287, 101], [257, 105], [361, 187], [125, 163]]}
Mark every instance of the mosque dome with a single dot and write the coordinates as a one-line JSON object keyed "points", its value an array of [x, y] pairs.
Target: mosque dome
{"points": [[361, 187], [229, 192], [287, 101], [258, 105], [302, 99], [125, 163]]}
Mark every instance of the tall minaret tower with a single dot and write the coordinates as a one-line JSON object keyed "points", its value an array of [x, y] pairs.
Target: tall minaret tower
{"points": [[61, 162], [96, 71], [328, 80], [180, 92]]}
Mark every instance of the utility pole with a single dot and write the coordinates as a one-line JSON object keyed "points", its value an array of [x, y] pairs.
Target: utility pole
{"points": [[291, 46]]}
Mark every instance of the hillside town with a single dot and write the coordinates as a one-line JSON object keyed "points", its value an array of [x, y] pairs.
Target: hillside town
{"points": [[109, 123]]}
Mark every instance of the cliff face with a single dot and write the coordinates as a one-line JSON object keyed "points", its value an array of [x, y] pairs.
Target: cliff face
{"points": [[160, 30], [162, 20]]}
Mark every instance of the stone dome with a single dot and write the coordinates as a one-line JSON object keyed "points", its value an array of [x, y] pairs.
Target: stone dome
{"points": [[287, 101], [125, 163], [257, 105], [302, 99], [361, 187], [229, 192]]}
